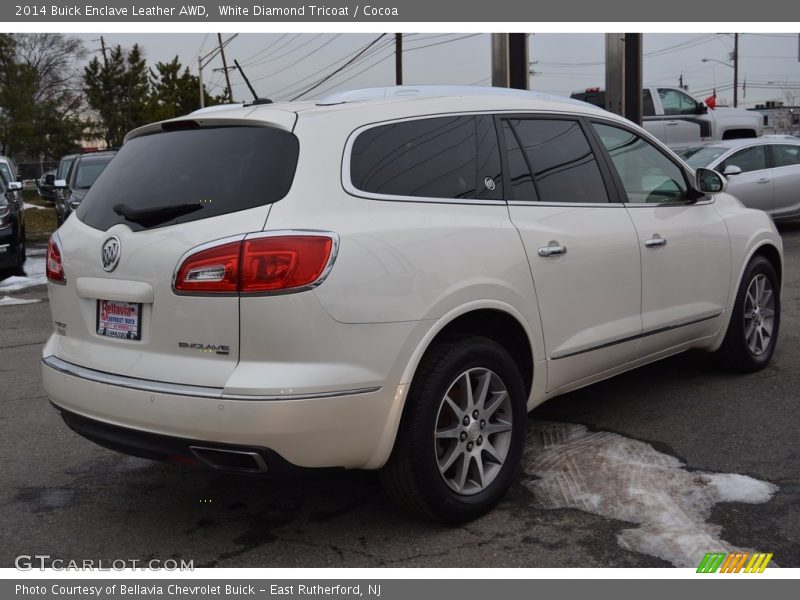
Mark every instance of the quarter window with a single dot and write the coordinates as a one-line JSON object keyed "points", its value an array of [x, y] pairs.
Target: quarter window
{"points": [[551, 159], [785, 155], [748, 159], [443, 157], [647, 175]]}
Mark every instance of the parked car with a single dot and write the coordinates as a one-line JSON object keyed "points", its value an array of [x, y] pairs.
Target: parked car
{"points": [[763, 173], [12, 227], [390, 279], [46, 187], [678, 120], [8, 169], [64, 164], [83, 172]]}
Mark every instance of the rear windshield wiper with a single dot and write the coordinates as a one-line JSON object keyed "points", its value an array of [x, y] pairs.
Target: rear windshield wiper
{"points": [[156, 215]]}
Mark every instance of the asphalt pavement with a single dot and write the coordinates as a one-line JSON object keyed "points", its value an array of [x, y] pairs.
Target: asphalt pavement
{"points": [[63, 496]]}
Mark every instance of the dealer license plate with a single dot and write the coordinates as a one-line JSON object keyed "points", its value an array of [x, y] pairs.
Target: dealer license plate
{"points": [[119, 319]]}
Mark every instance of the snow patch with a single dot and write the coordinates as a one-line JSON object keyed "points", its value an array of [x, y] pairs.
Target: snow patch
{"points": [[27, 206], [9, 301], [34, 275], [620, 478]]}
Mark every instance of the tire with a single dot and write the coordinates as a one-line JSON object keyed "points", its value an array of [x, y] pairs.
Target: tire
{"points": [[744, 350], [433, 432]]}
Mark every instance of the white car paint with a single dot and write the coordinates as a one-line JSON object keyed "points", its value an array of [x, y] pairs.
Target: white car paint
{"points": [[321, 376]]}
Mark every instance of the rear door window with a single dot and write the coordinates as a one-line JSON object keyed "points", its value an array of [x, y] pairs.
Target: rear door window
{"points": [[215, 170], [785, 155], [454, 157], [551, 159]]}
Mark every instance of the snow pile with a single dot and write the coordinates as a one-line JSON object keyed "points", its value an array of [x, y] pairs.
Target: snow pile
{"points": [[9, 301], [621, 478], [34, 275]]}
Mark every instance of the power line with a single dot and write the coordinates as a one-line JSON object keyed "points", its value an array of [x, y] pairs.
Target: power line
{"points": [[283, 35], [463, 37], [298, 60], [287, 53], [323, 80], [293, 88], [379, 49], [375, 52]]}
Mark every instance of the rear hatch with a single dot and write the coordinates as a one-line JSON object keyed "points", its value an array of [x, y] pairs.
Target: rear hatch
{"points": [[169, 190]]}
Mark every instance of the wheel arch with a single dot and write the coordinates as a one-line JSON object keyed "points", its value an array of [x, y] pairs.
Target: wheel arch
{"points": [[772, 254], [491, 318], [496, 321], [765, 247]]}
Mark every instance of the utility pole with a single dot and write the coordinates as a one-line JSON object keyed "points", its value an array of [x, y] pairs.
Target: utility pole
{"points": [[510, 64], [200, 80], [398, 58], [202, 63], [225, 67], [735, 70], [632, 76], [103, 48]]}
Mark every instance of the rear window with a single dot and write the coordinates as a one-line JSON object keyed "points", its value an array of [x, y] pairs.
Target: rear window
{"points": [[89, 170], [63, 167], [224, 169]]}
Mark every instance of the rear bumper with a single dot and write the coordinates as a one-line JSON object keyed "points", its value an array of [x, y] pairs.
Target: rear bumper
{"points": [[173, 449], [341, 429]]}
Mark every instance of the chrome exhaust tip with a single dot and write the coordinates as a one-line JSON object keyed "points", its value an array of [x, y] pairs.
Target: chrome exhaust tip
{"points": [[223, 459]]}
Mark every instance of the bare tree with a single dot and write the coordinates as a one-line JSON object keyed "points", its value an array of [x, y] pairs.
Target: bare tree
{"points": [[56, 60], [40, 93]]}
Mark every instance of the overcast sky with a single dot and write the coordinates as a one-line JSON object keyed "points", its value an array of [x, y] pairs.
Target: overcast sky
{"points": [[281, 66]]}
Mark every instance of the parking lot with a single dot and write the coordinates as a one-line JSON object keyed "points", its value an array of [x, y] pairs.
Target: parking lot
{"points": [[65, 497]]}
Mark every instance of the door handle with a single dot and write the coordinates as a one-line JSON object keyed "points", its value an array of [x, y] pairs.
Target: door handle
{"points": [[672, 122], [763, 180], [552, 249], [655, 242]]}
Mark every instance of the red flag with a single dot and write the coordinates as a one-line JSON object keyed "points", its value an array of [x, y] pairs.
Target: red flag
{"points": [[711, 101]]}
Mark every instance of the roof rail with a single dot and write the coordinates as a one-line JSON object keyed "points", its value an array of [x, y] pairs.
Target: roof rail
{"points": [[408, 91]]}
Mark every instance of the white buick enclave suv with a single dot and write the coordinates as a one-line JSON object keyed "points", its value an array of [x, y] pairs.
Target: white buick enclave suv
{"points": [[390, 279]]}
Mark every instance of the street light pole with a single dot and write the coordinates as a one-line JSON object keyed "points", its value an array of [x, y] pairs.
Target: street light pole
{"points": [[734, 66]]}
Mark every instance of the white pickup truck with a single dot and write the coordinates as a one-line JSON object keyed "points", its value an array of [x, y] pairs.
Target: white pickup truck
{"points": [[678, 120]]}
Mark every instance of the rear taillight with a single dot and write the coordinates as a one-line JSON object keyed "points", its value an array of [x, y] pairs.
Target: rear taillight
{"points": [[268, 264], [283, 262], [54, 268], [211, 271]]}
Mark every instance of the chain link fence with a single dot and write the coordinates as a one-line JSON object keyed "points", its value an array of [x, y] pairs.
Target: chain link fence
{"points": [[34, 170]]}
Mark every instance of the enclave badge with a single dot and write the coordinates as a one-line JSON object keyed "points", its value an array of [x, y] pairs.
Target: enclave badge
{"points": [[110, 253]]}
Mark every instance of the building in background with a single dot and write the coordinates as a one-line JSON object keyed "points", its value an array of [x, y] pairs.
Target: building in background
{"points": [[779, 118]]}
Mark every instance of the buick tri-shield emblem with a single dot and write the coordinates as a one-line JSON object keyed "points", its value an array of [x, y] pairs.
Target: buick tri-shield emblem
{"points": [[109, 253]]}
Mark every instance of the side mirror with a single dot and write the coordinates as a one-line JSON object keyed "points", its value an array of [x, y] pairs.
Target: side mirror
{"points": [[731, 170], [709, 181], [60, 184], [701, 108], [14, 186]]}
